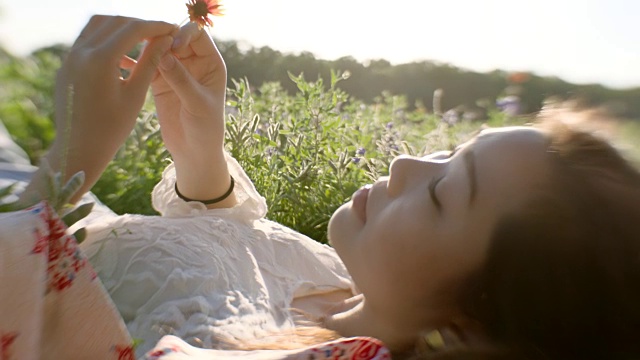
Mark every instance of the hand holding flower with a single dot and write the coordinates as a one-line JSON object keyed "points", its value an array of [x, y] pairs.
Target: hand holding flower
{"points": [[96, 108], [190, 98]]}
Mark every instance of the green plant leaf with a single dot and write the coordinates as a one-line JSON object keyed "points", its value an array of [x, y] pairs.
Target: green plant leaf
{"points": [[71, 187], [80, 235], [77, 214]]}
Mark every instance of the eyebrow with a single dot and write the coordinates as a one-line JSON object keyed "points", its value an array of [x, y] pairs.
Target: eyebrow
{"points": [[470, 165]]}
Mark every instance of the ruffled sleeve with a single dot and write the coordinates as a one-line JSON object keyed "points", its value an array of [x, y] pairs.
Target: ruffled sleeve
{"points": [[251, 205]]}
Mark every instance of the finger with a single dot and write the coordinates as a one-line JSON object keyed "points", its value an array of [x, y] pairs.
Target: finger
{"points": [[194, 41], [127, 36], [182, 38], [180, 80], [127, 62], [107, 26], [144, 71], [202, 44], [89, 30]]}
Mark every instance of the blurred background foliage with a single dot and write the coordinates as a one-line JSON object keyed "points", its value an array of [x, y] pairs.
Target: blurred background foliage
{"points": [[310, 132], [26, 94], [417, 81]]}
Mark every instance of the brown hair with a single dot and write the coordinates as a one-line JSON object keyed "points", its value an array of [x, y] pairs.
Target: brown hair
{"points": [[562, 276]]}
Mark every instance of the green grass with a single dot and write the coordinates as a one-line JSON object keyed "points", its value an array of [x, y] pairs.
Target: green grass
{"points": [[306, 153]]}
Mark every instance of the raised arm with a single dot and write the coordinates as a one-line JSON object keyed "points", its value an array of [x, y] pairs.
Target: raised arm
{"points": [[190, 98], [96, 118]]}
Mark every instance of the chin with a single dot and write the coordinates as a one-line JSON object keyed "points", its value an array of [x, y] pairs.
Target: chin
{"points": [[338, 223]]}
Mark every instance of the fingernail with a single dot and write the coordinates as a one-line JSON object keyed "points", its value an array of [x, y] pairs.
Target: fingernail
{"points": [[176, 43], [167, 62]]}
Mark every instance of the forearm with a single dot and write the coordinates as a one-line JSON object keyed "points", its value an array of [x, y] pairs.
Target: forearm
{"points": [[204, 175]]}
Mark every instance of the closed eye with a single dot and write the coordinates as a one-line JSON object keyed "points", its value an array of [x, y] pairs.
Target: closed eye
{"points": [[432, 193], [455, 150], [434, 182]]}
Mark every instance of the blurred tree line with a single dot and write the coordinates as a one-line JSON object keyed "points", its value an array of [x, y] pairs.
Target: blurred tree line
{"points": [[26, 95], [461, 89]]}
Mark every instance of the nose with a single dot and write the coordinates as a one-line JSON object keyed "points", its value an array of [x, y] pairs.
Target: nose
{"points": [[405, 170]]}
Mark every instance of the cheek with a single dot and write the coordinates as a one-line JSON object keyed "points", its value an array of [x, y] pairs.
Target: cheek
{"points": [[404, 253], [396, 246], [404, 223], [394, 267]]}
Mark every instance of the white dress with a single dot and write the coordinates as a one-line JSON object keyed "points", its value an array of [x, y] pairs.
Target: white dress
{"points": [[208, 275]]}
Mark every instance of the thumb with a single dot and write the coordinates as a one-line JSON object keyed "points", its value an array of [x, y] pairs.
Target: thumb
{"points": [[180, 80], [145, 69]]}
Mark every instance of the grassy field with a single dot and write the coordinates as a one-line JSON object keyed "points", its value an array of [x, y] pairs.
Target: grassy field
{"points": [[306, 153]]}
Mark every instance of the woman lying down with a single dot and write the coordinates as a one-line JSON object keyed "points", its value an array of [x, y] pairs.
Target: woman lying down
{"points": [[522, 243]]}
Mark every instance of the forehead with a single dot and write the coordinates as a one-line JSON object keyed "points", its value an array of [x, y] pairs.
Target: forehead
{"points": [[522, 142], [511, 163], [518, 134]]}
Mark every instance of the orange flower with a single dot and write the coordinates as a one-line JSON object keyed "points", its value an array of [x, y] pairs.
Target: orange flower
{"points": [[199, 11], [518, 77]]}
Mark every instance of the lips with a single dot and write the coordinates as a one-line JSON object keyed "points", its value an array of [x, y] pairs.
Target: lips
{"points": [[359, 202]]}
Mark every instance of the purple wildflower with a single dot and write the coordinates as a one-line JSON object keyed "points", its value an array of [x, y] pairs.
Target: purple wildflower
{"points": [[509, 105], [270, 151]]}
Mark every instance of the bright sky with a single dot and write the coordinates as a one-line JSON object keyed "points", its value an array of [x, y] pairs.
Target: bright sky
{"points": [[578, 40]]}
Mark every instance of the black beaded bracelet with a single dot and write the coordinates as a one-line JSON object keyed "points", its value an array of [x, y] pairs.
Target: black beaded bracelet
{"points": [[207, 202]]}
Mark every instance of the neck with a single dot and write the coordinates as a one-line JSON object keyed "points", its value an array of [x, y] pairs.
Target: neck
{"points": [[397, 331]]}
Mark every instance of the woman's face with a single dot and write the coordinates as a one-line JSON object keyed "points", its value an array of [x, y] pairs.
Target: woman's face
{"points": [[416, 234]]}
